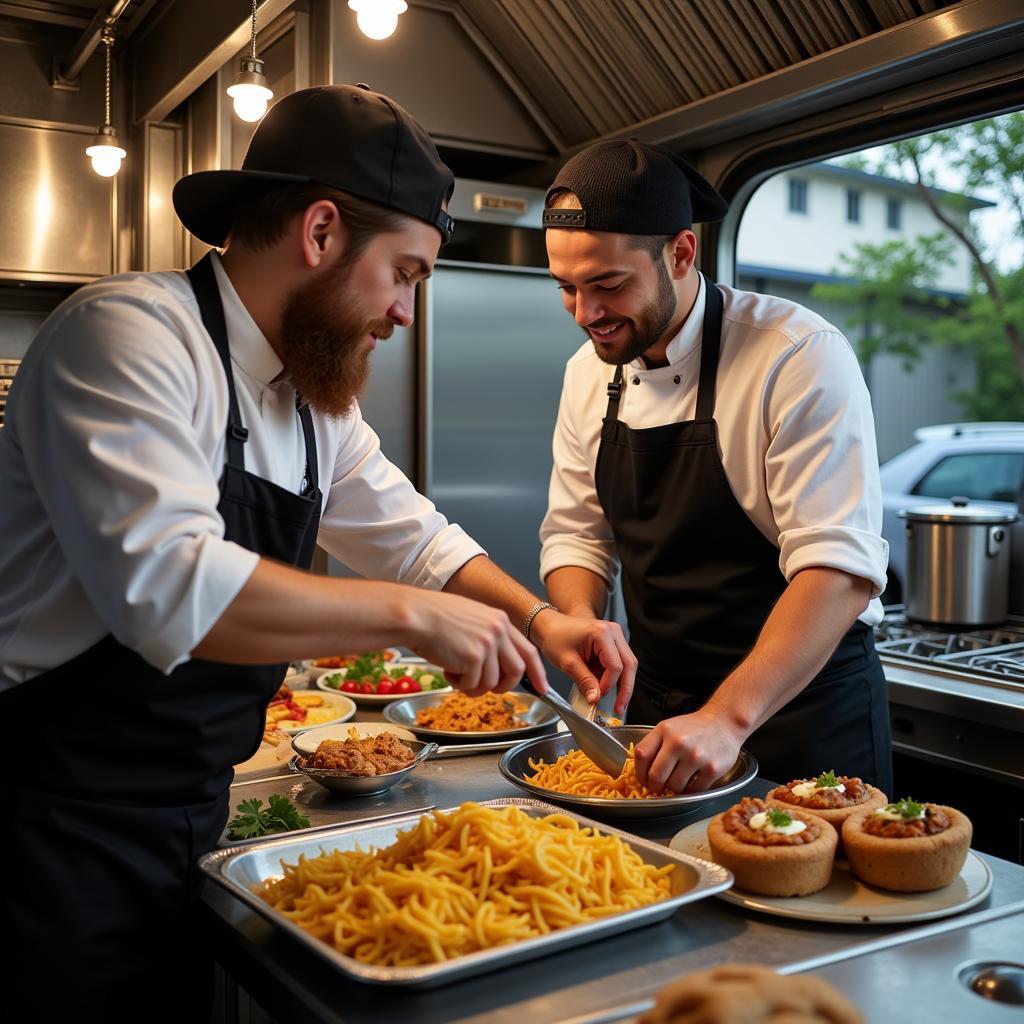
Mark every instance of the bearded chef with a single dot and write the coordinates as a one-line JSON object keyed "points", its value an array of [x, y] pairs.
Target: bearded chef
{"points": [[175, 446], [718, 447]]}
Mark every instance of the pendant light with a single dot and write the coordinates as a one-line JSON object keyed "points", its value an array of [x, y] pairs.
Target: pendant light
{"points": [[250, 91], [378, 18], [105, 153]]}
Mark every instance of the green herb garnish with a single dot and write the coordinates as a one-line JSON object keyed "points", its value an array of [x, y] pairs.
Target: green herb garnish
{"points": [[906, 808], [826, 780], [281, 816], [779, 819]]}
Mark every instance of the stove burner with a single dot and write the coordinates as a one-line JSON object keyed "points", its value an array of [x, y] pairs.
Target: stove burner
{"points": [[997, 651]]}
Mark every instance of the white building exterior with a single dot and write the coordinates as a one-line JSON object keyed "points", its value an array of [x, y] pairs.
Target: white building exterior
{"points": [[792, 234]]}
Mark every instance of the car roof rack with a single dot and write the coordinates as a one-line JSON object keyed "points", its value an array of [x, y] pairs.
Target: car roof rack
{"points": [[944, 431]]}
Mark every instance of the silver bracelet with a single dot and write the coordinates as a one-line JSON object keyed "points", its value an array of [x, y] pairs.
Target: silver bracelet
{"points": [[534, 612]]}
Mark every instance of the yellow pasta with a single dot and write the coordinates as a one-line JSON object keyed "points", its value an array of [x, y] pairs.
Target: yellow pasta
{"points": [[462, 881], [575, 773]]}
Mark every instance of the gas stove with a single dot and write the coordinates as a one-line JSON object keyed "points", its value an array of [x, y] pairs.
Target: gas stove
{"points": [[956, 705], [995, 653]]}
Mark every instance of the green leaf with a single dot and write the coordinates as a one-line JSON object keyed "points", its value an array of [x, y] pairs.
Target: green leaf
{"points": [[780, 819], [252, 821], [906, 808], [827, 780]]}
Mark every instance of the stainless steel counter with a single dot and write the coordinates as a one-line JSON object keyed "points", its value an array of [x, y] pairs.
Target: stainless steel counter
{"points": [[584, 981]]}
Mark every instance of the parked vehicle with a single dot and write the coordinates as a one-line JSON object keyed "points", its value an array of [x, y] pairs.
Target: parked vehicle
{"points": [[983, 462]]}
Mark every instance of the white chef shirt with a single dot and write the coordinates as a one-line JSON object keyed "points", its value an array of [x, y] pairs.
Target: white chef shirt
{"points": [[110, 463], [795, 433]]}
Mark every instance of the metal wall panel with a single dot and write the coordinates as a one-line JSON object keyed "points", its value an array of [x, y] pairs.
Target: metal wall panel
{"points": [[162, 234], [500, 340], [56, 223]]}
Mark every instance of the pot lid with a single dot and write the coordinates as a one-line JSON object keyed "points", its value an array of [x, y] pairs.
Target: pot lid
{"points": [[959, 511]]}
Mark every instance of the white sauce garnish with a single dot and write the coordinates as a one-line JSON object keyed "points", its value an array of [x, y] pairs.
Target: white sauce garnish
{"points": [[884, 812], [760, 821], [806, 789]]}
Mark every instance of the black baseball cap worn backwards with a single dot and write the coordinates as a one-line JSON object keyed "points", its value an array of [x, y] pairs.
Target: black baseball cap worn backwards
{"points": [[347, 137], [633, 188]]}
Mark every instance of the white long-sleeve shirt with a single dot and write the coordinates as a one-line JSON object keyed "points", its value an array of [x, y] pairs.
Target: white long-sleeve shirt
{"points": [[795, 433], [110, 463]]}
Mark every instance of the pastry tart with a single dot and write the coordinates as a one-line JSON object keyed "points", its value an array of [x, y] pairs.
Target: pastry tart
{"points": [[907, 846], [830, 796], [771, 851]]}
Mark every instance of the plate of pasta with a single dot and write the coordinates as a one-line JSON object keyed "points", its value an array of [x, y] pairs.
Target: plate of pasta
{"points": [[455, 716], [456, 907], [552, 768]]}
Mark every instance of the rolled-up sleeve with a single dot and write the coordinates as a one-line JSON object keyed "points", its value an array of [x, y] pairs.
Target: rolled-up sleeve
{"points": [[125, 483], [821, 464], [379, 525], [574, 530]]}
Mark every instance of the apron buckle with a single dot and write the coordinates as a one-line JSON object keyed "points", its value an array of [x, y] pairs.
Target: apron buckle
{"points": [[238, 432], [614, 390]]}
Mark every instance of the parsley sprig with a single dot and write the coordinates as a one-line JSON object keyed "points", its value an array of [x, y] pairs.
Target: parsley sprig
{"points": [[906, 808], [827, 780], [779, 819], [252, 821]]}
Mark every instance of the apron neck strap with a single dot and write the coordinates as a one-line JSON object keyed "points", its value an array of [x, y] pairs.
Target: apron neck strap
{"points": [[309, 438], [710, 345], [614, 394], [204, 284]]}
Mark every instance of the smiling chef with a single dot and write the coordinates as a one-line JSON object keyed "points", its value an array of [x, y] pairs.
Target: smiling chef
{"points": [[175, 446], [719, 447]]}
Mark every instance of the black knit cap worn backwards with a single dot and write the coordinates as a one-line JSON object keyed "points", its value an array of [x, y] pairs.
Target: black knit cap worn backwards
{"points": [[347, 137], [633, 188]]}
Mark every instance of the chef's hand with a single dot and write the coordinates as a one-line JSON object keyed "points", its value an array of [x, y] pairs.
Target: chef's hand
{"points": [[689, 752], [591, 652], [476, 645]]}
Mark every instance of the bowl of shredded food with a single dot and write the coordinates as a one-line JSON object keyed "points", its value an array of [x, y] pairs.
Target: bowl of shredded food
{"points": [[362, 766], [552, 767]]}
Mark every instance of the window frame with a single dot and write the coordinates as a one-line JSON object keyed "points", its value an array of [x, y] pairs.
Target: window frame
{"points": [[854, 196], [798, 200]]}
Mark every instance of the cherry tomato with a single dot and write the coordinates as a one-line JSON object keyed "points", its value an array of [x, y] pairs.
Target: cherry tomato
{"points": [[407, 685], [366, 688], [349, 686], [385, 685]]}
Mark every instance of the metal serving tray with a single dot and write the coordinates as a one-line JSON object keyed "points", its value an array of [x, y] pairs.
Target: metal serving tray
{"points": [[239, 869], [535, 715]]}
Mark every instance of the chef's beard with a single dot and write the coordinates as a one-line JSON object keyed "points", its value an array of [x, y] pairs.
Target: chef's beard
{"points": [[647, 329], [323, 342]]}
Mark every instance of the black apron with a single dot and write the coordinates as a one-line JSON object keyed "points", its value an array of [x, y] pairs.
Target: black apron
{"points": [[699, 580], [124, 780]]}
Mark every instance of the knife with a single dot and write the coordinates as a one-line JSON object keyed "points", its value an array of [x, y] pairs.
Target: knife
{"points": [[582, 706], [594, 739]]}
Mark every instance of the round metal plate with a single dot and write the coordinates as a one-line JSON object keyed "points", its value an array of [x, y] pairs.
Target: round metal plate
{"points": [[515, 764], [535, 714]]}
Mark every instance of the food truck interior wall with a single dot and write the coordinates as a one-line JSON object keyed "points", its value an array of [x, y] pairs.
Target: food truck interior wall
{"points": [[508, 92]]}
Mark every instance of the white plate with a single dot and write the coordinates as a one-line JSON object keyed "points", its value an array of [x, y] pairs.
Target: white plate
{"points": [[316, 671], [846, 899], [370, 699], [346, 709], [307, 742]]}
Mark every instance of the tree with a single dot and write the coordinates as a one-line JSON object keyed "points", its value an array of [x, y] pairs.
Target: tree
{"points": [[888, 293]]}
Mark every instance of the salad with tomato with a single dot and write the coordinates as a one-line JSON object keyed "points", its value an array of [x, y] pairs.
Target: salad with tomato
{"points": [[371, 676]]}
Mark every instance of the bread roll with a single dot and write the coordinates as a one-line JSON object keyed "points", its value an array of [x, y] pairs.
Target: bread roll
{"points": [[768, 863], [750, 994], [914, 858]]}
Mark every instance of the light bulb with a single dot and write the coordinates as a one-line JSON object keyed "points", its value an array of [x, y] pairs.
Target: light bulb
{"points": [[378, 18], [106, 160], [250, 101]]}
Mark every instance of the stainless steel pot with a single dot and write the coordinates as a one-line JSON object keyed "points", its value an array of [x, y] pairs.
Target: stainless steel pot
{"points": [[958, 564]]}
